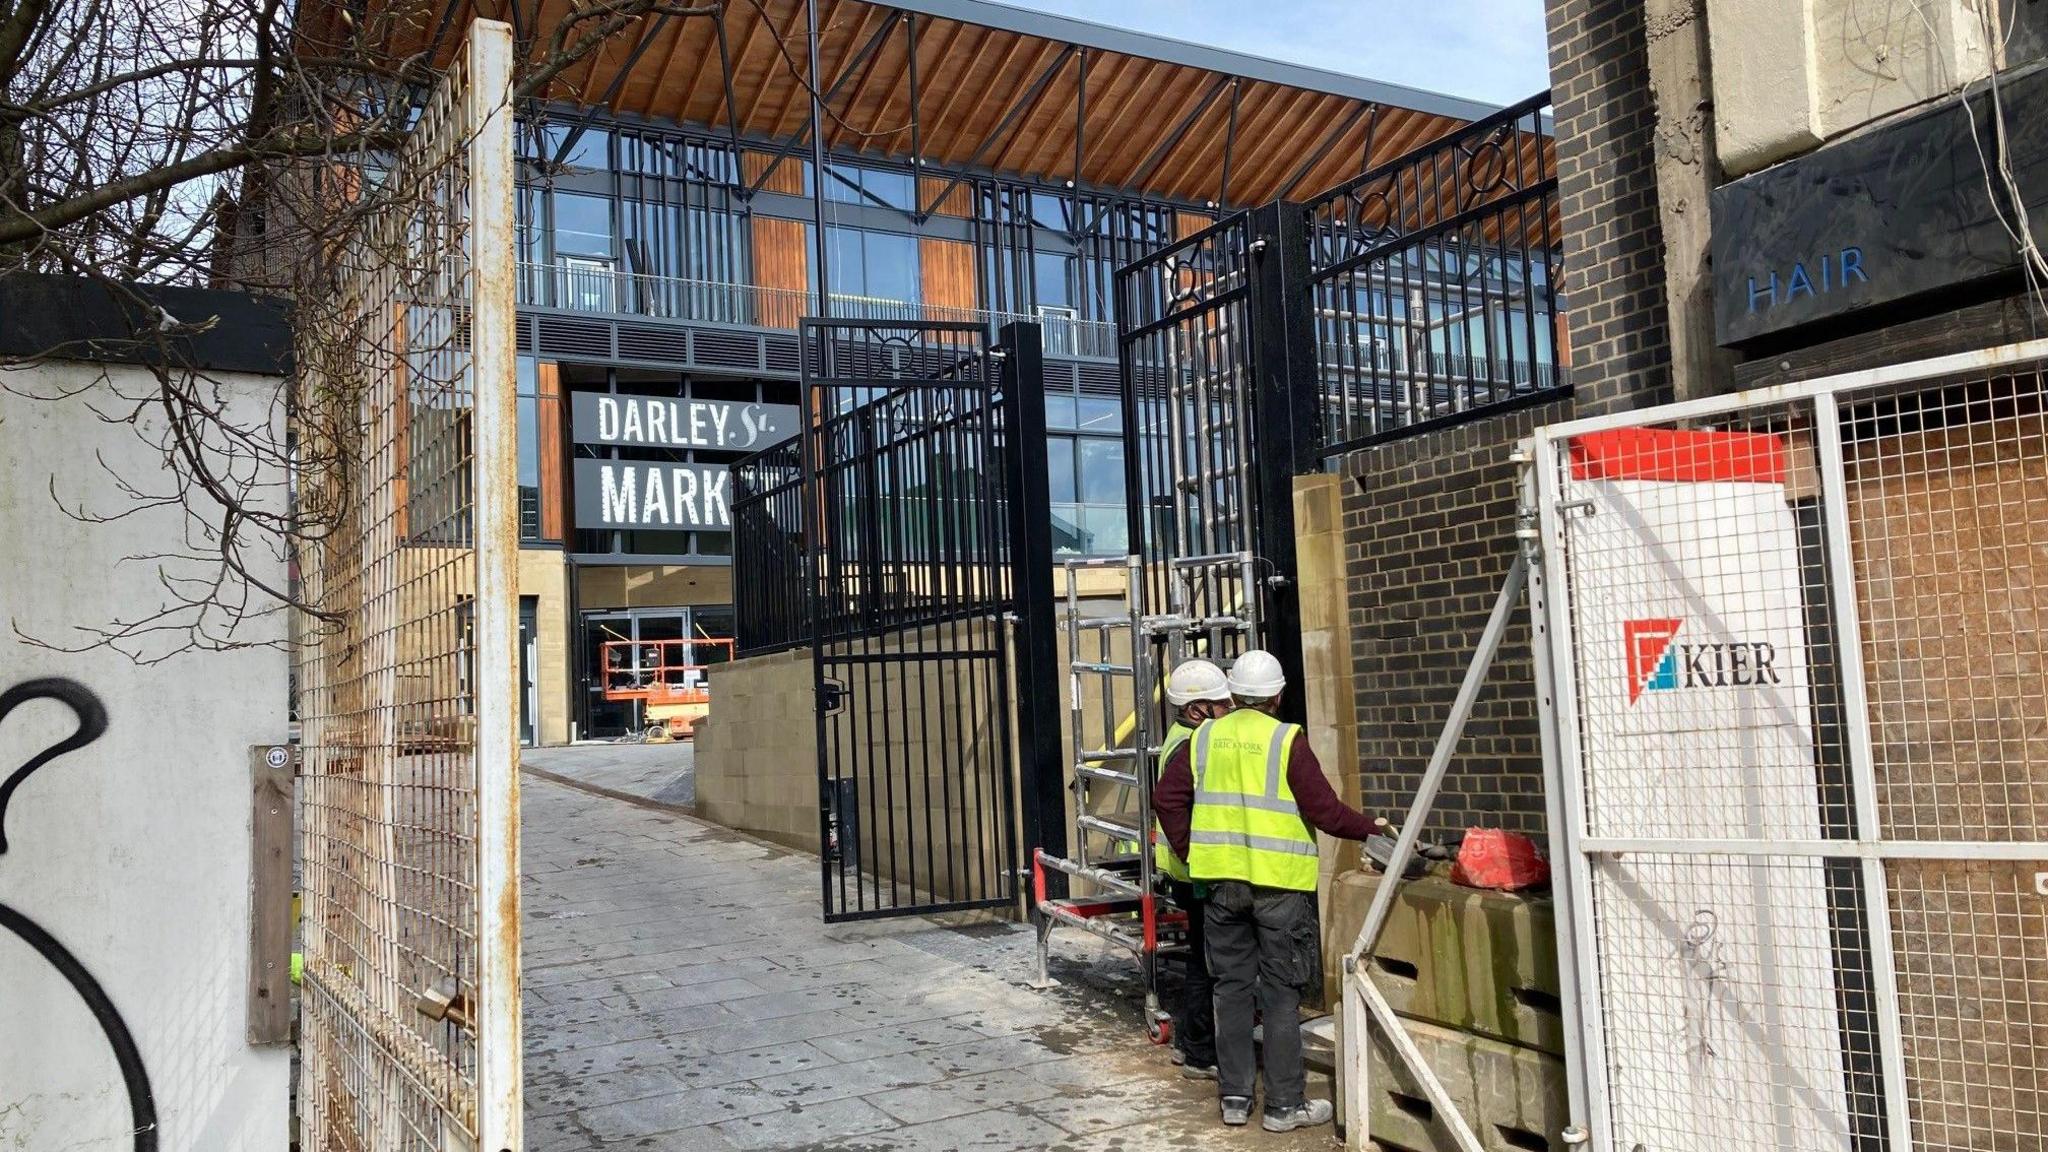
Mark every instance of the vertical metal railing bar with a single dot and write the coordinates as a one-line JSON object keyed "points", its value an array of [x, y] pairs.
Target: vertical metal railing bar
{"points": [[1848, 625], [1547, 463], [1564, 863], [931, 455], [492, 321]]}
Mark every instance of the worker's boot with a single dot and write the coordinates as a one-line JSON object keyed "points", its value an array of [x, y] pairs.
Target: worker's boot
{"points": [[1307, 1114], [1237, 1111]]}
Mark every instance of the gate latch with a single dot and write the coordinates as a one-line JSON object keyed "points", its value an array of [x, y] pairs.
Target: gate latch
{"points": [[831, 694]]}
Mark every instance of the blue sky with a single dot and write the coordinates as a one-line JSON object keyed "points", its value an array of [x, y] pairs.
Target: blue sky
{"points": [[1486, 49]]}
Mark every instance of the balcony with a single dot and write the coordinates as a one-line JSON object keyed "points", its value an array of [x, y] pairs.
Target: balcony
{"points": [[596, 289]]}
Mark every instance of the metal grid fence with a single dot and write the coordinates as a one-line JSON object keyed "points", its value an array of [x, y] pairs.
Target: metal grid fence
{"points": [[1803, 712], [404, 423]]}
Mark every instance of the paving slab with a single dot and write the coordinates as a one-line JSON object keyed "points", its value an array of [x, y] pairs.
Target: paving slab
{"points": [[684, 996]]}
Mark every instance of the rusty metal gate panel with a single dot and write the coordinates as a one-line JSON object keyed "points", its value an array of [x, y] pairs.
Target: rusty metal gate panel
{"points": [[407, 668], [1802, 690]]}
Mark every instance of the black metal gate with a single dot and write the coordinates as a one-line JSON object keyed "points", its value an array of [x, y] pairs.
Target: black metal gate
{"points": [[1420, 294], [926, 500]]}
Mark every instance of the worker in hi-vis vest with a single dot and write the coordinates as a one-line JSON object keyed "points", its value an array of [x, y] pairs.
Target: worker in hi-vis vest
{"points": [[1241, 802], [1196, 691]]}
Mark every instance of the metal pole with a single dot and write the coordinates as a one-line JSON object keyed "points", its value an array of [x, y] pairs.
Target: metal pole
{"points": [[1283, 352], [1031, 592], [495, 451], [1578, 886], [820, 253], [1862, 765], [1561, 862]]}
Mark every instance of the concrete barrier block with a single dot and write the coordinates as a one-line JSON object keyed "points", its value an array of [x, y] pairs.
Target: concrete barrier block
{"points": [[1512, 1097], [1484, 962]]}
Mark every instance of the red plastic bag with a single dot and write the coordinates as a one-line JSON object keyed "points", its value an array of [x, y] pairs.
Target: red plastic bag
{"points": [[1498, 859]]}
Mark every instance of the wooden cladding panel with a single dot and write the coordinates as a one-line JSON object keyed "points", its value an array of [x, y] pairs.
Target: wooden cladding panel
{"points": [[788, 177], [782, 267], [554, 450], [959, 202], [947, 275]]}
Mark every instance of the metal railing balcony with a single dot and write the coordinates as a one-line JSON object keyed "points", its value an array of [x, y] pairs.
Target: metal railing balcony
{"points": [[614, 292]]}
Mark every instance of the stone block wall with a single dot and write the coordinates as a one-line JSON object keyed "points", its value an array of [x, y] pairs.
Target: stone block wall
{"points": [[757, 757]]}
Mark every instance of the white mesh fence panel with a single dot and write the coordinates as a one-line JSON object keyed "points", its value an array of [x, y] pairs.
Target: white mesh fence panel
{"points": [[1803, 712]]}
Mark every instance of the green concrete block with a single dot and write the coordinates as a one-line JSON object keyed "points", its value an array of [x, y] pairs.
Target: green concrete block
{"points": [[1476, 961], [1513, 1098]]}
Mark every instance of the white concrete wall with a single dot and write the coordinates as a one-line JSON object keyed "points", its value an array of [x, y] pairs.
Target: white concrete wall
{"points": [[1790, 74], [132, 852]]}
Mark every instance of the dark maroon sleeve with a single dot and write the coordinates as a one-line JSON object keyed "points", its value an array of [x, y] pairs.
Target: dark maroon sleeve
{"points": [[1173, 798], [1319, 804]]}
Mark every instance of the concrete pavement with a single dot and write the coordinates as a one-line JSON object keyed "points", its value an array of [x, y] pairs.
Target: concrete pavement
{"points": [[683, 994]]}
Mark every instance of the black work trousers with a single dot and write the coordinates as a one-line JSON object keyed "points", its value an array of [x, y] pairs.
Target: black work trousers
{"points": [[1194, 1016], [1262, 941]]}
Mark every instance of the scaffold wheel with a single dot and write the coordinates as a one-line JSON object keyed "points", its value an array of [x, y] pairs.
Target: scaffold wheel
{"points": [[1160, 1028]]}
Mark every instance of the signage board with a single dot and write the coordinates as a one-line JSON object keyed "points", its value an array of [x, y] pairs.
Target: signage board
{"points": [[664, 422], [1902, 213], [653, 494]]}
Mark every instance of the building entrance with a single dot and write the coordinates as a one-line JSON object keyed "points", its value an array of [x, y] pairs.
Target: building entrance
{"points": [[604, 719]]}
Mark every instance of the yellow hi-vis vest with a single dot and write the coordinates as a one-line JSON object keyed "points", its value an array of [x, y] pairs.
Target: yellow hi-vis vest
{"points": [[1163, 858], [1246, 825]]}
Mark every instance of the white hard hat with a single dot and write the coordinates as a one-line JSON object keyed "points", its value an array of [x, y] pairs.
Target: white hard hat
{"points": [[1194, 680], [1255, 675]]}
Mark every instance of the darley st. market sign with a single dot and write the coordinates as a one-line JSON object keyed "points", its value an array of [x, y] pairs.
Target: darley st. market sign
{"points": [[657, 494]]}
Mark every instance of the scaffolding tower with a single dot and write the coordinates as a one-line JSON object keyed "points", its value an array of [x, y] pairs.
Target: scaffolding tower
{"points": [[1117, 666]]}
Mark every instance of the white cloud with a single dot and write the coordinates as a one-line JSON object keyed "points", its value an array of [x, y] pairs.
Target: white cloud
{"points": [[1484, 49]]}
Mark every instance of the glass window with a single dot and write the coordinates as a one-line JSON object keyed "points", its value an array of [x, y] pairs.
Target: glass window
{"points": [[1103, 414], [1059, 410], [529, 450], [1106, 528], [1067, 536], [895, 189], [843, 184], [583, 224], [851, 184], [1059, 462], [590, 149], [877, 265], [1052, 279], [1051, 210], [1101, 472], [846, 261], [892, 266]]}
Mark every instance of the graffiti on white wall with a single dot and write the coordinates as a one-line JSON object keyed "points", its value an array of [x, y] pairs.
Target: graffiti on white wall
{"points": [[91, 715]]}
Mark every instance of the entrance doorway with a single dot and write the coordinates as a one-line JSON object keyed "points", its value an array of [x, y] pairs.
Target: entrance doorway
{"points": [[609, 719]]}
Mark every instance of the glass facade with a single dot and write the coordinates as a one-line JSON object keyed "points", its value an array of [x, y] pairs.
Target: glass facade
{"points": [[638, 219]]}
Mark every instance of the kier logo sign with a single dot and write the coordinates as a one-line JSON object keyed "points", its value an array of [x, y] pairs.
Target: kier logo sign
{"points": [[1657, 662]]}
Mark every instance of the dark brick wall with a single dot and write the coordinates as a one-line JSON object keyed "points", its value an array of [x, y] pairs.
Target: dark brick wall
{"points": [[1429, 521], [1607, 190], [1429, 532]]}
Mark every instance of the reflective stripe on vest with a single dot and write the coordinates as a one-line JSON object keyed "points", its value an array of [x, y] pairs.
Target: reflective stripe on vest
{"points": [[1163, 858], [1246, 825]]}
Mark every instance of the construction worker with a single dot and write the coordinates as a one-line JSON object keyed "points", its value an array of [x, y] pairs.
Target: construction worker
{"points": [[1241, 802], [1196, 691]]}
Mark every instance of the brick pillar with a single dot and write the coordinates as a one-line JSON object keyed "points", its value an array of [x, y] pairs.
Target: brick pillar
{"points": [[1615, 314]]}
